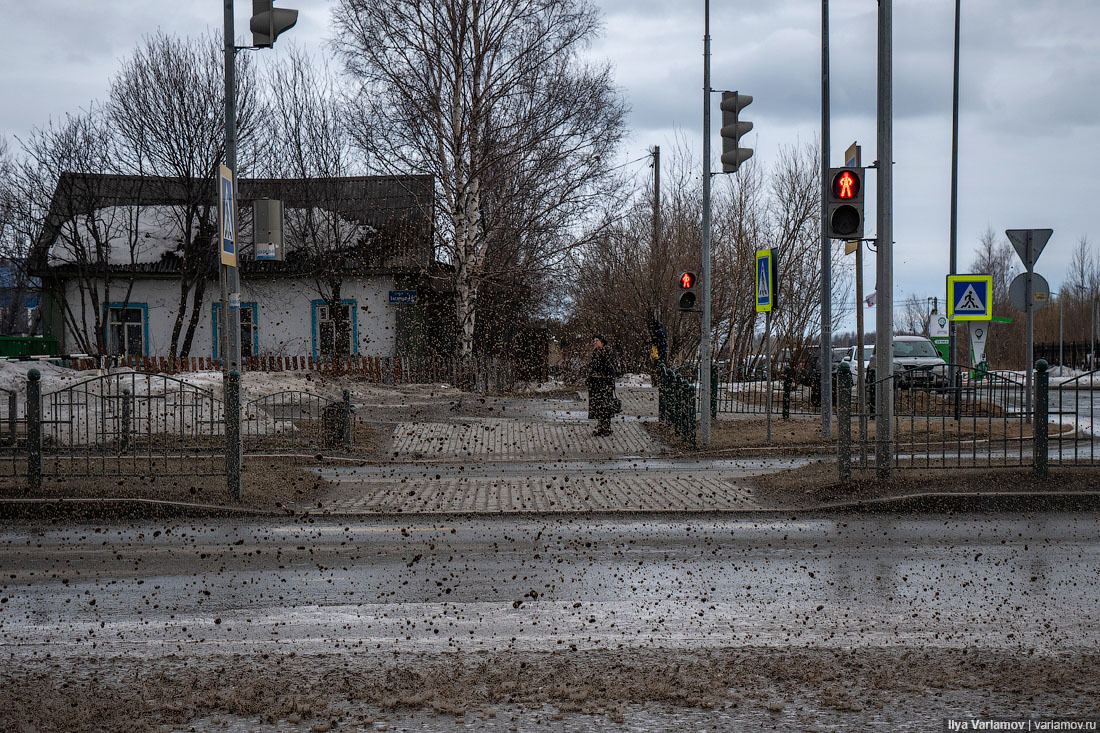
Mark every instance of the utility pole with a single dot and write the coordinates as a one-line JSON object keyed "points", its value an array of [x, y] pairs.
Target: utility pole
{"points": [[953, 264], [657, 259], [704, 327], [230, 320], [826, 355], [884, 315]]}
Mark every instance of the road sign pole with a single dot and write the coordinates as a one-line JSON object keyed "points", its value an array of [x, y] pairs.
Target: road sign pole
{"points": [[825, 357], [768, 367], [884, 316], [1029, 310], [231, 313], [704, 326]]}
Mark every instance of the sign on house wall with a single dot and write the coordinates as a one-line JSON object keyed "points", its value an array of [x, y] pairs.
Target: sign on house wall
{"points": [[226, 220]]}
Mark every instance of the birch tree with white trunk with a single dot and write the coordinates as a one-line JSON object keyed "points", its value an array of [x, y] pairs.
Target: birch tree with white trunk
{"points": [[494, 99]]}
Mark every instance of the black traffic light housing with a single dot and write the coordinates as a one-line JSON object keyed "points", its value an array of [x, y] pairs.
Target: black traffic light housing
{"points": [[844, 203], [732, 129], [268, 22], [686, 294]]}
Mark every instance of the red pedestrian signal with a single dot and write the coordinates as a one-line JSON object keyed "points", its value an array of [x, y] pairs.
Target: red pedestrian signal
{"points": [[686, 297], [844, 203], [845, 185]]}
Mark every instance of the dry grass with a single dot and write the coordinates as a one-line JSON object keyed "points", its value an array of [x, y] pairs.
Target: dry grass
{"points": [[818, 483], [804, 432]]}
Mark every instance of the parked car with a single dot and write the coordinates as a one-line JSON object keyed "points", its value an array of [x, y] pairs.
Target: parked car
{"points": [[809, 374], [850, 357], [917, 364]]}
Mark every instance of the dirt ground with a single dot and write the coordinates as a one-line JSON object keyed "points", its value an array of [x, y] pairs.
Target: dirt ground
{"points": [[344, 692], [804, 433], [267, 483], [818, 483]]}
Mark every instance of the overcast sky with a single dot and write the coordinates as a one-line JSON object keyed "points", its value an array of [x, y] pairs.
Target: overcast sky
{"points": [[1030, 94]]}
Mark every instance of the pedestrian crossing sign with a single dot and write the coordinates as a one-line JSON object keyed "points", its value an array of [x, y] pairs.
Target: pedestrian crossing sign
{"points": [[969, 297], [227, 218], [765, 280]]}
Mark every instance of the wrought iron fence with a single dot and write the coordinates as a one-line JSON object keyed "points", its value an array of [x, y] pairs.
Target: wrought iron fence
{"points": [[676, 403], [12, 442], [293, 421], [1072, 415], [980, 421], [130, 424], [740, 391]]}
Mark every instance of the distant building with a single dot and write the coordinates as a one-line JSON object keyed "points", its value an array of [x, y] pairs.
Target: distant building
{"points": [[111, 260]]}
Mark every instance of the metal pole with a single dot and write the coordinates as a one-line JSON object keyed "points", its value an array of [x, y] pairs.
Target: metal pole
{"points": [[1030, 338], [231, 314], [768, 369], [884, 316], [826, 355], [1092, 337], [1061, 359], [657, 259], [704, 327], [861, 394], [954, 255]]}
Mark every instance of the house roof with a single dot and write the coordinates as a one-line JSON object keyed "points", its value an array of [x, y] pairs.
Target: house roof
{"points": [[393, 215]]}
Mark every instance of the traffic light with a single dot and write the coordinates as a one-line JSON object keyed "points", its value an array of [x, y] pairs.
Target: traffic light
{"points": [[268, 22], [686, 297], [732, 130], [844, 203]]}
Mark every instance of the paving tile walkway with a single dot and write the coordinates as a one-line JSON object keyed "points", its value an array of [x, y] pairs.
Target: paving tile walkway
{"points": [[507, 439], [570, 492]]}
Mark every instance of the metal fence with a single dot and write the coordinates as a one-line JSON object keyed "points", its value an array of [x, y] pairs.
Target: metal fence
{"points": [[294, 421], [792, 393], [1072, 415], [131, 424], [139, 424], [982, 421]]}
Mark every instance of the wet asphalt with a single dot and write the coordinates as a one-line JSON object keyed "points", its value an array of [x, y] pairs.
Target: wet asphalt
{"points": [[1013, 582]]}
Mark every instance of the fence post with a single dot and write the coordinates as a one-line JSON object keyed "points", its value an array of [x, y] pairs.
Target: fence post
{"points": [[690, 406], [34, 429], [713, 391], [1042, 396], [786, 392], [233, 458], [844, 421], [661, 400], [13, 409], [347, 418], [125, 442]]}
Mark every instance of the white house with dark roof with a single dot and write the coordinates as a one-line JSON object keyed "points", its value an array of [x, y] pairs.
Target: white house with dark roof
{"points": [[115, 267]]}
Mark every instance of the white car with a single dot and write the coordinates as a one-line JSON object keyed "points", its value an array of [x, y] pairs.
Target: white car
{"points": [[850, 357], [918, 364]]}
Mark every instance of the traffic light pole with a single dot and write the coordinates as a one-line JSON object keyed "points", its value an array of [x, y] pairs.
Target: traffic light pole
{"points": [[954, 247], [884, 311], [704, 326], [826, 355], [230, 280]]}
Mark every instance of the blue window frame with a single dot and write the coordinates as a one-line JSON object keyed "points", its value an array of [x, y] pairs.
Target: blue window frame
{"points": [[127, 327], [250, 328], [327, 339]]}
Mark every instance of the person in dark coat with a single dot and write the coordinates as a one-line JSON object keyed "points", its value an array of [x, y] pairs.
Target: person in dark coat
{"points": [[601, 386]]}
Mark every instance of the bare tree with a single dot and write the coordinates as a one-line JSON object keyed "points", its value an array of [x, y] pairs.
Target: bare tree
{"points": [[310, 142], [916, 315], [997, 259], [167, 106], [59, 200], [492, 98]]}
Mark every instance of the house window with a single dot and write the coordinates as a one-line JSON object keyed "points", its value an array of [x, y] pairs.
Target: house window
{"points": [[250, 330], [334, 328], [127, 327]]}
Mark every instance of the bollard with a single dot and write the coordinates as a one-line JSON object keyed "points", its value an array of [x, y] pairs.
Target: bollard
{"points": [[1042, 396], [713, 391], [233, 458], [347, 419], [34, 429], [786, 392], [844, 422], [124, 443]]}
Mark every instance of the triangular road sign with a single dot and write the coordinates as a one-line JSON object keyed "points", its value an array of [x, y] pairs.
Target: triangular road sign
{"points": [[1039, 238]]}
